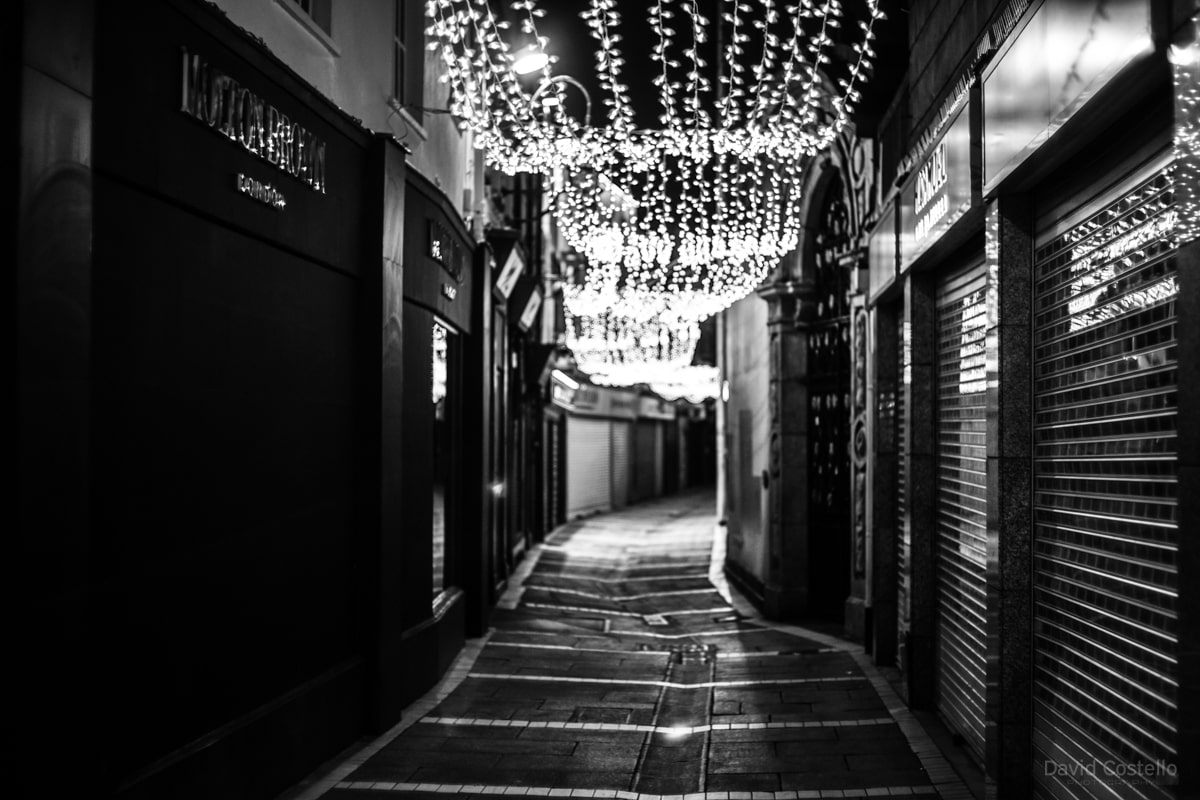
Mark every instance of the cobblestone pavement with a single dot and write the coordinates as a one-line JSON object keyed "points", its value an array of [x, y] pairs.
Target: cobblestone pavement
{"points": [[618, 667]]}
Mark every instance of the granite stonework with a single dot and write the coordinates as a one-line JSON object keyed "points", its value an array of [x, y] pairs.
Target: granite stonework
{"points": [[1188, 404], [1009, 253], [785, 591], [1187, 125], [920, 467]]}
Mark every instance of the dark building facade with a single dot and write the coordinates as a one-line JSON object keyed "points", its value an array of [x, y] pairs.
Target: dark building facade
{"points": [[1029, 308], [252, 520], [1012, 394]]}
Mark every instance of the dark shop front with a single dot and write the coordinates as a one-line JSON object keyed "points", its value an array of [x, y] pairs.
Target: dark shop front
{"points": [[242, 484], [1027, 288], [440, 338]]}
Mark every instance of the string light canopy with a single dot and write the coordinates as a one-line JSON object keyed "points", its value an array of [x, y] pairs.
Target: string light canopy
{"points": [[772, 101], [679, 219]]}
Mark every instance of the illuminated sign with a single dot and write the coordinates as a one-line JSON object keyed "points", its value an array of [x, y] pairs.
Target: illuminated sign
{"points": [[930, 180], [264, 193], [223, 104], [443, 247], [940, 192]]}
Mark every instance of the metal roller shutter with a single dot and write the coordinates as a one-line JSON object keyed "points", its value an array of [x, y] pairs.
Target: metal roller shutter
{"points": [[620, 464], [685, 433], [642, 485], [588, 466], [553, 475], [1105, 530], [961, 540], [659, 459], [903, 544]]}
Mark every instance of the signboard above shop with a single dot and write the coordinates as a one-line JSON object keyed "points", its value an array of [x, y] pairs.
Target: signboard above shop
{"points": [[514, 265], [1065, 53], [881, 254], [938, 191]]}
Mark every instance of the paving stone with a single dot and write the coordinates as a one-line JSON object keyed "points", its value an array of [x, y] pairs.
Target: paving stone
{"points": [[743, 782], [800, 735], [851, 780], [591, 570]]}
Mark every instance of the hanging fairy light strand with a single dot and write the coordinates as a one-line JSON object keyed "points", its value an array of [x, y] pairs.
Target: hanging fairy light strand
{"points": [[677, 222], [777, 121]]}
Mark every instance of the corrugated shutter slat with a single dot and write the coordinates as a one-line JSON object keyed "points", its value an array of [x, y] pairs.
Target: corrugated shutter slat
{"points": [[1105, 534], [961, 539], [588, 466]]}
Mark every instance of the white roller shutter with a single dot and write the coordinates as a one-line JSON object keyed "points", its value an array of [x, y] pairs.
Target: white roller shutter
{"points": [[589, 460]]}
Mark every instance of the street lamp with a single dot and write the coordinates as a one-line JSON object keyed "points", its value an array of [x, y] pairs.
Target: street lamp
{"points": [[529, 59], [557, 79]]}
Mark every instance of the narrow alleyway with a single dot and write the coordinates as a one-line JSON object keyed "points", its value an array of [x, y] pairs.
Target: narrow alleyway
{"points": [[619, 666]]}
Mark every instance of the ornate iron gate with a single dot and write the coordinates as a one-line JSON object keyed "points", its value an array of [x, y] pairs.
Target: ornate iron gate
{"points": [[829, 409]]}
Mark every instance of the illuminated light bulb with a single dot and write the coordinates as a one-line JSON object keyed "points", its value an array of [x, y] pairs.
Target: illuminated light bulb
{"points": [[529, 59]]}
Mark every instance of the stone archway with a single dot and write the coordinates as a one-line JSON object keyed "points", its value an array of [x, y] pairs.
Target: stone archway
{"points": [[812, 401]]}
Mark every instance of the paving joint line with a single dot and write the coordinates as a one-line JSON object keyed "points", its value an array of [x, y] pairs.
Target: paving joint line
{"points": [[619, 598], [678, 730], [919, 741], [665, 684], [618, 794]]}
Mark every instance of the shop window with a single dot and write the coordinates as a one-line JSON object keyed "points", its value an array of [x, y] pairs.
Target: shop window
{"points": [[408, 56], [319, 11], [444, 398]]}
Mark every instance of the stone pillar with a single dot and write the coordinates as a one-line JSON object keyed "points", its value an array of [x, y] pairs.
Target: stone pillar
{"points": [[857, 622], [785, 591], [919, 526], [1009, 253]]}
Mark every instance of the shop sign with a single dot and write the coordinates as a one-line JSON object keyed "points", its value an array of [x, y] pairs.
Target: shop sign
{"points": [[531, 308], [1027, 96], [560, 394], [972, 350], [265, 193], [625, 406], [881, 254], [443, 247], [939, 193], [586, 398], [655, 408], [223, 104], [514, 265]]}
